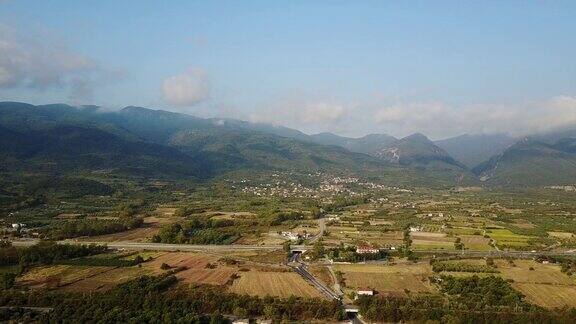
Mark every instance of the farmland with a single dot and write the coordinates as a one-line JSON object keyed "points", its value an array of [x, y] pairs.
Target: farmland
{"points": [[422, 235], [280, 284], [398, 279]]}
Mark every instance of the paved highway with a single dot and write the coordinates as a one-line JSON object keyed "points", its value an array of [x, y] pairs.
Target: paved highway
{"points": [[301, 269], [322, 227], [159, 246], [189, 247]]}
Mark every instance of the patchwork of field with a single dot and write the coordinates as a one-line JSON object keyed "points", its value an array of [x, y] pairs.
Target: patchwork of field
{"points": [[195, 268], [353, 235], [59, 275], [191, 268], [281, 284], [388, 279]]}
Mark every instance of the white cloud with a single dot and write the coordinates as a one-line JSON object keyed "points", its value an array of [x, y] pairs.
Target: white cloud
{"points": [[39, 63], [309, 116], [439, 119], [320, 112], [186, 89]]}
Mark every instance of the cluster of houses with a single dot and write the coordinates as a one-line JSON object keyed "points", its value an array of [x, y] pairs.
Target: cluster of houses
{"points": [[330, 185], [19, 229], [415, 228]]}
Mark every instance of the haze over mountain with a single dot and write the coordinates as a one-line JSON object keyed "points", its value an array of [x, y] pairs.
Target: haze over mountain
{"points": [[206, 147], [472, 150], [146, 142]]}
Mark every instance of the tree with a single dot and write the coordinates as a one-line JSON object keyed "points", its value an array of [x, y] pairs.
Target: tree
{"points": [[318, 250], [7, 280]]}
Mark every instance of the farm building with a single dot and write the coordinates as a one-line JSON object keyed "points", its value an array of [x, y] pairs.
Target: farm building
{"points": [[366, 249], [364, 292]]}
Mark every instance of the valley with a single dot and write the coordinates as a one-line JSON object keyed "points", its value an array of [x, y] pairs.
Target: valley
{"points": [[322, 221]]}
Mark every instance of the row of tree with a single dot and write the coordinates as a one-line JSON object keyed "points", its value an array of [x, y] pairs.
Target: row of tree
{"points": [[92, 227], [46, 252]]}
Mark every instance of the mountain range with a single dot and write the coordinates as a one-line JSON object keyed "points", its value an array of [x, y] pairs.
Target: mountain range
{"points": [[136, 141]]}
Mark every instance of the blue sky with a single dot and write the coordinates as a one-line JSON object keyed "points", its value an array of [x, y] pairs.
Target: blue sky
{"points": [[351, 67]]}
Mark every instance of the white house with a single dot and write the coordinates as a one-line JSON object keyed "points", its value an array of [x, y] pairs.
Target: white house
{"points": [[366, 249], [364, 292]]}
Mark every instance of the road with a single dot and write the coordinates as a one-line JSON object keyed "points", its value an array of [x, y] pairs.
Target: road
{"points": [[322, 227], [499, 253], [336, 286], [190, 247], [354, 318], [160, 246], [301, 269]]}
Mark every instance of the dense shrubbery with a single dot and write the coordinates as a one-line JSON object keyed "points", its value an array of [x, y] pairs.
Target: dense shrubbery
{"points": [[91, 227], [276, 217], [348, 254], [46, 253], [198, 231], [115, 261], [462, 267], [341, 202], [7, 280], [487, 291], [68, 187], [149, 300]]}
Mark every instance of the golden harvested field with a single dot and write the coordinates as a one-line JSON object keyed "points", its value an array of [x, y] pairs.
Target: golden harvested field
{"points": [[387, 279], [281, 284], [522, 223], [427, 235], [322, 273], [165, 211], [200, 269], [550, 296], [108, 279], [274, 257], [546, 285], [142, 234], [432, 245], [475, 242], [197, 267], [431, 241], [562, 235], [379, 238], [313, 230], [542, 273], [381, 222], [261, 238], [230, 215], [59, 275]]}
